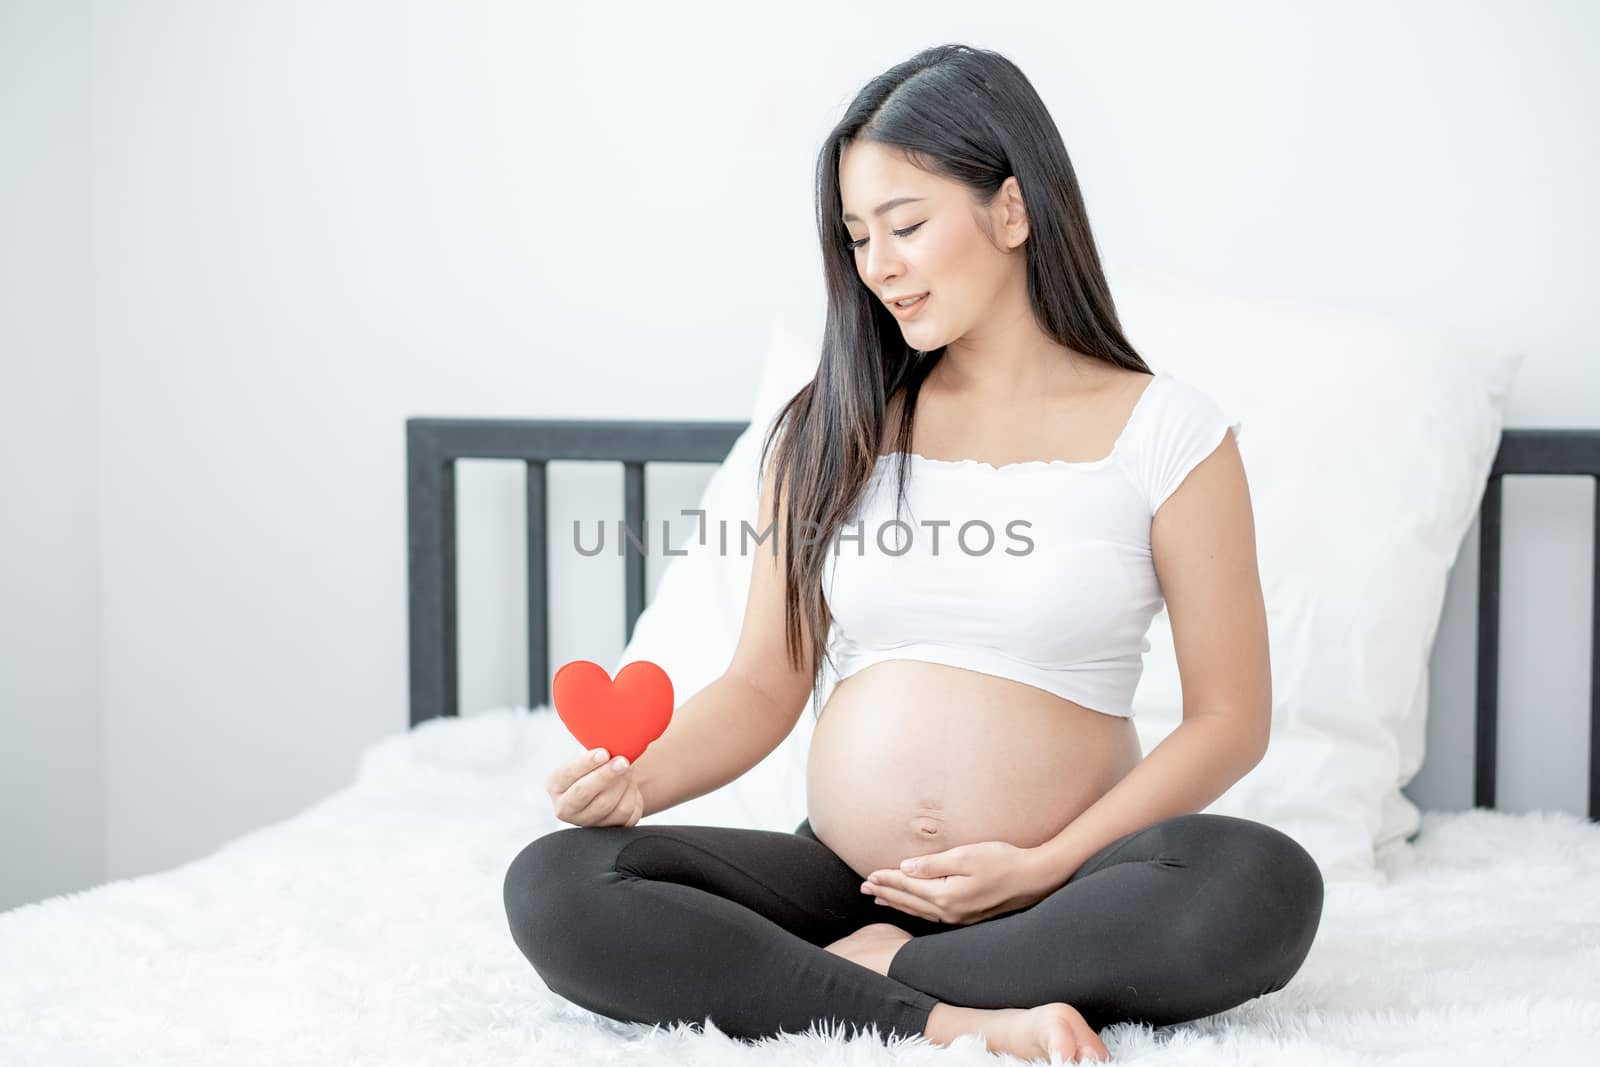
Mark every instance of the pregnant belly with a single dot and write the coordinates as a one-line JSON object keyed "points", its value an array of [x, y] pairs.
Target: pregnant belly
{"points": [[910, 758]]}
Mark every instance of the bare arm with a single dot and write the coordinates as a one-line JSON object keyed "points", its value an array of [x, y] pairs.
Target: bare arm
{"points": [[735, 722], [1203, 540], [717, 735]]}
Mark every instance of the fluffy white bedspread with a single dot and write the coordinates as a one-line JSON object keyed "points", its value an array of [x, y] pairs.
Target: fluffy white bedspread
{"points": [[370, 929]]}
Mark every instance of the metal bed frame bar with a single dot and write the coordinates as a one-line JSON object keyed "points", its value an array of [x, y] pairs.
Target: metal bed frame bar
{"points": [[432, 447], [1529, 452]]}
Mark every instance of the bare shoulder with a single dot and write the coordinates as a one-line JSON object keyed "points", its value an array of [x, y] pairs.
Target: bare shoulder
{"points": [[1111, 396], [1124, 383]]}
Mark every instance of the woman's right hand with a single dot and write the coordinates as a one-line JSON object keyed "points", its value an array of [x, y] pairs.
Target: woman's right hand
{"points": [[590, 793]]}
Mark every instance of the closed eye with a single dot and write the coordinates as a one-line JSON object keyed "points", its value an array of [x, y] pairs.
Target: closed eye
{"points": [[853, 245]]}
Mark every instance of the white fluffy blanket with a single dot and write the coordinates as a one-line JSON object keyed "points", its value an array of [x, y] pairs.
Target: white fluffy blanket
{"points": [[370, 929]]}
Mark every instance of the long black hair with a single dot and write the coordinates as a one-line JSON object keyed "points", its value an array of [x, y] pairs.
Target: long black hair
{"points": [[971, 116]]}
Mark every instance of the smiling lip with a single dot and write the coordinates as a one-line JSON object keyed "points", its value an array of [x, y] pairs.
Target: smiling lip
{"points": [[910, 312]]}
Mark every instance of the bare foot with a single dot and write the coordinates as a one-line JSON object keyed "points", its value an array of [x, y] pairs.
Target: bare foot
{"points": [[874, 946], [1048, 1033]]}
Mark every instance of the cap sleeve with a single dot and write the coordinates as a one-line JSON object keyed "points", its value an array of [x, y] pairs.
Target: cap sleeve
{"points": [[1185, 427]]}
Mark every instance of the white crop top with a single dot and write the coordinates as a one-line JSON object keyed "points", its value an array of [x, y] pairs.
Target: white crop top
{"points": [[1039, 571]]}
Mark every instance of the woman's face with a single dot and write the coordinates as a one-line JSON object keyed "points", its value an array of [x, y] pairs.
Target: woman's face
{"points": [[929, 241]]}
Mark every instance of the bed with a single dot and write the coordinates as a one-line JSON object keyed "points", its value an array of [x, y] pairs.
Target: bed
{"points": [[369, 927]]}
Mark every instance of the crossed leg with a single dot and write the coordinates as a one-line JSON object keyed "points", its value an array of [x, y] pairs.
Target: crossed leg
{"points": [[1183, 919], [663, 924]]}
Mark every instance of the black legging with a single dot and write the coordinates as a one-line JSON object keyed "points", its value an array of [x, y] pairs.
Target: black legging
{"points": [[663, 924]]}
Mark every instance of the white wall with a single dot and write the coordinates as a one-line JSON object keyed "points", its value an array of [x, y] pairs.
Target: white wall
{"points": [[311, 220], [52, 803]]}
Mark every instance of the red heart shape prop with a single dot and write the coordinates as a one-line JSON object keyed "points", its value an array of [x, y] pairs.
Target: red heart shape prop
{"points": [[621, 717]]}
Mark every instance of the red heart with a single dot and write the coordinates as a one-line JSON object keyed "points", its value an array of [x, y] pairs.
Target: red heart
{"points": [[621, 717]]}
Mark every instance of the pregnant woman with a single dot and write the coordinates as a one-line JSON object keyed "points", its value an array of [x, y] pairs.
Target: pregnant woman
{"points": [[979, 503]]}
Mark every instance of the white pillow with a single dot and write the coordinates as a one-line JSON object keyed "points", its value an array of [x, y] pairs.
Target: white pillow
{"points": [[1370, 443]]}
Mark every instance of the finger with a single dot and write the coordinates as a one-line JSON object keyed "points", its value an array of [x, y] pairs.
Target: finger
{"points": [[907, 902], [592, 785], [568, 773], [610, 780], [603, 805], [601, 811], [896, 876], [906, 883]]}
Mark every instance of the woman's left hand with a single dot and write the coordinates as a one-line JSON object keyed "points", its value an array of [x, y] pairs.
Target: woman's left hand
{"points": [[965, 884]]}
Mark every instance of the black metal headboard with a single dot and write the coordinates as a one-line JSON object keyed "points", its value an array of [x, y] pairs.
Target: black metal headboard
{"points": [[434, 444], [1529, 452]]}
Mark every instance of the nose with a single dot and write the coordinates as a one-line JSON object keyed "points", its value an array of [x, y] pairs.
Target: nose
{"points": [[883, 266]]}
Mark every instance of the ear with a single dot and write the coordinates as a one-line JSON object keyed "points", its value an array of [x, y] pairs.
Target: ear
{"points": [[1013, 213]]}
